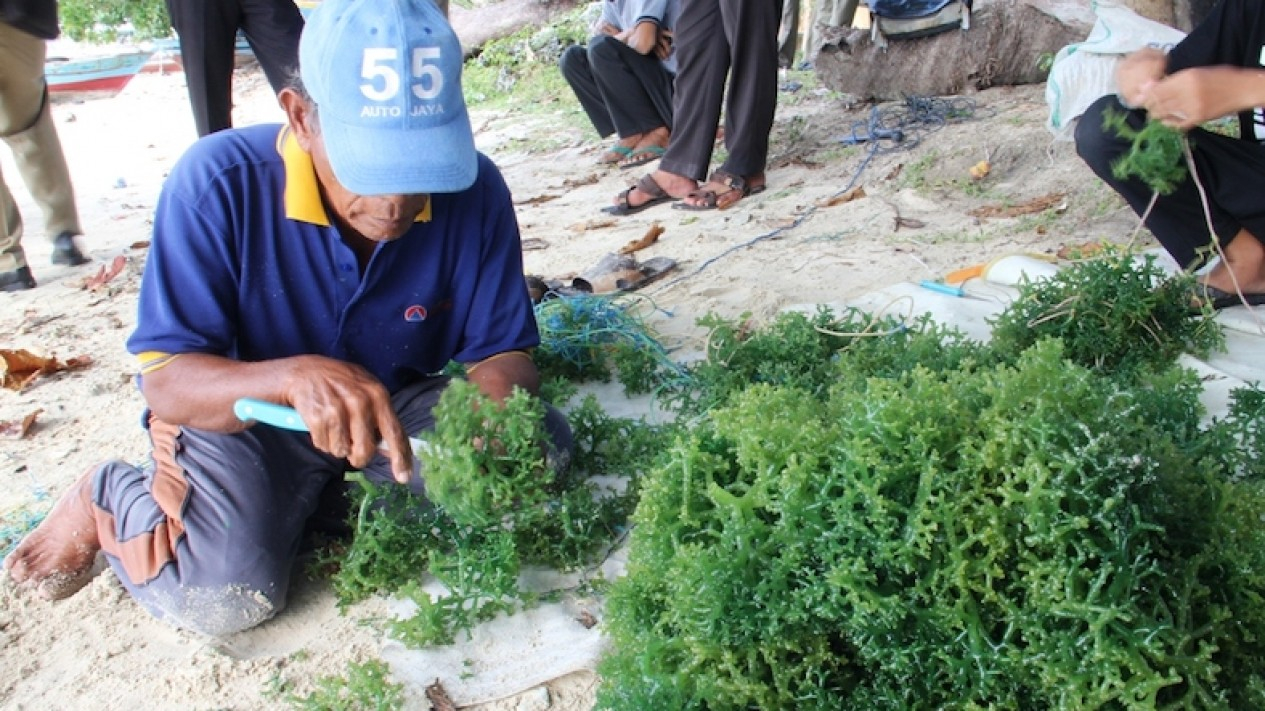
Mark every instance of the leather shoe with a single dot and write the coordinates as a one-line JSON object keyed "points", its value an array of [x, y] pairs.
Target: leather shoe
{"points": [[19, 279], [66, 252]]}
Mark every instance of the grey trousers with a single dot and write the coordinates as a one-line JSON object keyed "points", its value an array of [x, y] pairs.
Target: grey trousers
{"points": [[206, 536], [27, 127], [718, 40]]}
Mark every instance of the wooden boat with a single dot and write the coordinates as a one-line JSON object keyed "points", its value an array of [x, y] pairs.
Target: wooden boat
{"points": [[108, 74], [166, 58]]}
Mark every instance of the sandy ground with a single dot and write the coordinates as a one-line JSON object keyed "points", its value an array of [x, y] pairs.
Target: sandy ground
{"points": [[790, 245]]}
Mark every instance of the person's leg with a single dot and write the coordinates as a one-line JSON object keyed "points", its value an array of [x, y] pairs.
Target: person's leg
{"points": [[702, 56], [630, 83], [1226, 167], [28, 129], [38, 154], [1229, 170], [788, 34], [638, 92], [207, 31], [578, 72], [15, 275], [751, 26], [272, 27], [204, 539]]}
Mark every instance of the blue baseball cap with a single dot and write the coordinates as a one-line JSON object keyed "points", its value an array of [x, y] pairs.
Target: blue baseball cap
{"points": [[386, 79]]}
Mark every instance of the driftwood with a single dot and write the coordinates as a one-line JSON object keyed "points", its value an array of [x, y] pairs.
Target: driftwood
{"points": [[1002, 47], [477, 26]]}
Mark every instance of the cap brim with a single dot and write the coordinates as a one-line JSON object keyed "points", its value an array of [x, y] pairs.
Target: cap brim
{"points": [[383, 161]]}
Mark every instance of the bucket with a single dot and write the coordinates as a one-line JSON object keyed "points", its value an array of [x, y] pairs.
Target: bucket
{"points": [[1010, 270]]}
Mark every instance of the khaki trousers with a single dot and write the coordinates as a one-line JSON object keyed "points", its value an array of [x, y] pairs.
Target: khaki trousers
{"points": [[27, 127]]}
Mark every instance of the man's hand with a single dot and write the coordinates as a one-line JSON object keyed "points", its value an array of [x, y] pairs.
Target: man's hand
{"points": [[1137, 73], [347, 411], [346, 408], [1194, 96], [663, 47], [605, 28]]}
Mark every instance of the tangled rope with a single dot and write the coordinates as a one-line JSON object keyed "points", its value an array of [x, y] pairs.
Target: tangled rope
{"points": [[581, 330]]}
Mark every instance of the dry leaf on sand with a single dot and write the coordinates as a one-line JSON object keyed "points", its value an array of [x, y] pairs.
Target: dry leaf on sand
{"points": [[1039, 204], [105, 274], [845, 196], [17, 429], [20, 367], [650, 237]]}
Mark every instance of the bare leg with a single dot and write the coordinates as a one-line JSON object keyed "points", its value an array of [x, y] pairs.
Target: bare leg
{"points": [[1244, 263], [56, 558]]}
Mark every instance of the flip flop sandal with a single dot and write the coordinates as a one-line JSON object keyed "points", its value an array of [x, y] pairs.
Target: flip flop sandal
{"points": [[1220, 299], [711, 200], [621, 153], [641, 156], [646, 185], [621, 272]]}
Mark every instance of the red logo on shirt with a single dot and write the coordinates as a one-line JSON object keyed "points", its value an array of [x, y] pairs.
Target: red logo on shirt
{"points": [[415, 313]]}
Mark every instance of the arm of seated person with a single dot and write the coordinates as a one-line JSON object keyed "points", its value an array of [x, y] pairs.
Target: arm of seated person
{"points": [[1191, 97], [643, 37], [498, 375], [1138, 72], [346, 408]]}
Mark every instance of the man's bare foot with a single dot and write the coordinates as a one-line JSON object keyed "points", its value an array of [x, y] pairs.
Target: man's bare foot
{"points": [[722, 190], [651, 147], [676, 186], [55, 560], [621, 150], [1243, 268]]}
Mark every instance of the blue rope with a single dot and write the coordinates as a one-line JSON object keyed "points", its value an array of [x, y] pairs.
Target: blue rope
{"points": [[575, 327], [17, 524]]}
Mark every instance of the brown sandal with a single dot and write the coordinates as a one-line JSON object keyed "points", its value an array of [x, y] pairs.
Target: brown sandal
{"points": [[736, 188], [646, 185]]}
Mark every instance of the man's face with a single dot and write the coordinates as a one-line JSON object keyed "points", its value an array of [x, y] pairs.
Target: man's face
{"points": [[380, 218]]}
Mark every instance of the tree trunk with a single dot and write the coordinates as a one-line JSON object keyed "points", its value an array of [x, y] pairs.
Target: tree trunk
{"points": [[479, 25]]}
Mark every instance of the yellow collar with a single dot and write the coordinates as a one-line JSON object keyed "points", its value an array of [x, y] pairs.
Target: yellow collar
{"points": [[302, 194]]}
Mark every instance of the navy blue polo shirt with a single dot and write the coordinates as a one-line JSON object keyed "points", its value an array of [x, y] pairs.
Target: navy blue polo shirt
{"points": [[244, 263]]}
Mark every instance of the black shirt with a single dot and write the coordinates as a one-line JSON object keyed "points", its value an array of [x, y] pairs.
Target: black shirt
{"points": [[1233, 34]]}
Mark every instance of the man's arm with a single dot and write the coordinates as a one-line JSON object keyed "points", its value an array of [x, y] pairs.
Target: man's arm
{"points": [[643, 38], [498, 375], [346, 409], [1137, 73], [1191, 97]]}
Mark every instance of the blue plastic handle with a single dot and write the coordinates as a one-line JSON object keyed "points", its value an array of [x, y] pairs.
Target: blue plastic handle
{"points": [[943, 288], [249, 409]]}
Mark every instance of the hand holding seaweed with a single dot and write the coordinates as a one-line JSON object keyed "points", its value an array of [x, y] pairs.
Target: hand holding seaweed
{"points": [[1156, 156]]}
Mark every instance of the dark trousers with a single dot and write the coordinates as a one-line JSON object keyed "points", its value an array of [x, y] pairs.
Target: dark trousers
{"points": [[716, 39], [206, 537], [208, 34], [621, 90], [1230, 170]]}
